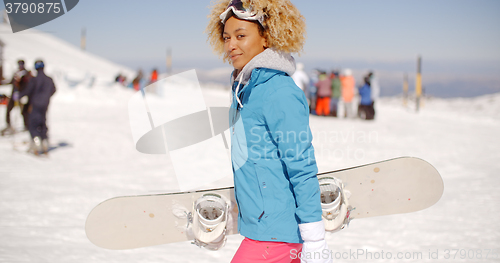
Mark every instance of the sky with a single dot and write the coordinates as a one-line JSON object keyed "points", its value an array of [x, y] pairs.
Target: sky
{"points": [[454, 37]]}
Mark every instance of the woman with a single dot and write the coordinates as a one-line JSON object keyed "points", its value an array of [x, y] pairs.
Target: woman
{"points": [[273, 159]]}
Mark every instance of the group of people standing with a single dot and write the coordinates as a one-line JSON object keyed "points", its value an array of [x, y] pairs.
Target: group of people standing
{"points": [[139, 81], [38, 89], [325, 94]]}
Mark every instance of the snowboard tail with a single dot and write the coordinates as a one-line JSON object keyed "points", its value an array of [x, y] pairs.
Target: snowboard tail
{"points": [[395, 186]]}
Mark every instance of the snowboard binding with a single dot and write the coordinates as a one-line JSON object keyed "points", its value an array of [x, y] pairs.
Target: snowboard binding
{"points": [[334, 203], [209, 221]]}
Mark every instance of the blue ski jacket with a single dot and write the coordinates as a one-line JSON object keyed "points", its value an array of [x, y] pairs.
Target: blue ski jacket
{"points": [[272, 155], [365, 94]]}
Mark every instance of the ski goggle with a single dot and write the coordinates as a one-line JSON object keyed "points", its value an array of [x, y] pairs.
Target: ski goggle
{"points": [[236, 7]]}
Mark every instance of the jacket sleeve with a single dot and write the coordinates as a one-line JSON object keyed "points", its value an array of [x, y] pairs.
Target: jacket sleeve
{"points": [[286, 113]]}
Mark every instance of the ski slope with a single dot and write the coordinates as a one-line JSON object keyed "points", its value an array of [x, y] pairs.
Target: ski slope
{"points": [[44, 201], [61, 59]]}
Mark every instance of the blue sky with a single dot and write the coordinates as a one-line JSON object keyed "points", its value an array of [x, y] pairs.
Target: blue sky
{"points": [[453, 36], [388, 30]]}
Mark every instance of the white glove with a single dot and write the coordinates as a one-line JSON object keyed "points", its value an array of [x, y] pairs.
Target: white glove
{"points": [[315, 249]]}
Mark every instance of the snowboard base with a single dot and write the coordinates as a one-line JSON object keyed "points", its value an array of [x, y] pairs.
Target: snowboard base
{"points": [[395, 186]]}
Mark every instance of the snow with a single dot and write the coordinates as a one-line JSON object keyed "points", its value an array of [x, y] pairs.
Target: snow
{"points": [[44, 201], [61, 58]]}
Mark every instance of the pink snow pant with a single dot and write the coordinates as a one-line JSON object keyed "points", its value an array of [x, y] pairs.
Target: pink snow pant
{"points": [[251, 251]]}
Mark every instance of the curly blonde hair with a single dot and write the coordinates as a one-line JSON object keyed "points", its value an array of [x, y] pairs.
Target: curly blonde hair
{"points": [[284, 26]]}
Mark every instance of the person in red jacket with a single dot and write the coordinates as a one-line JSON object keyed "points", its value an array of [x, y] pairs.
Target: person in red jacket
{"points": [[323, 93], [154, 76]]}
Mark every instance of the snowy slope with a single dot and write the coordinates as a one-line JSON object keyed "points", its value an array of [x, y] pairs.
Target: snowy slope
{"points": [[44, 202], [61, 58], [483, 107]]}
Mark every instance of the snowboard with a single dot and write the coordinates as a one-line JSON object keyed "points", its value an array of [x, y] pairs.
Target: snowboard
{"points": [[394, 186]]}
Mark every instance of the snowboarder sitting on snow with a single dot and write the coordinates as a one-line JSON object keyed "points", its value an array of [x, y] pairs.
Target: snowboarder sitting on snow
{"points": [[275, 181], [39, 90], [19, 82]]}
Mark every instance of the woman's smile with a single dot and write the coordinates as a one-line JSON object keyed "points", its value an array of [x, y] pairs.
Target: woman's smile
{"points": [[242, 41]]}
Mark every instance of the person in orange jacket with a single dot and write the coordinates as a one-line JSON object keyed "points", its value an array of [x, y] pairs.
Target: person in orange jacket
{"points": [[154, 76], [348, 84]]}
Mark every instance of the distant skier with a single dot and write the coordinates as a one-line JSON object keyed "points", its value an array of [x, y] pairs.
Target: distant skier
{"points": [[39, 90], [336, 93], [365, 108], [136, 82], [120, 78], [314, 77], [19, 82], [275, 181], [154, 76], [348, 86], [323, 95], [375, 89]]}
